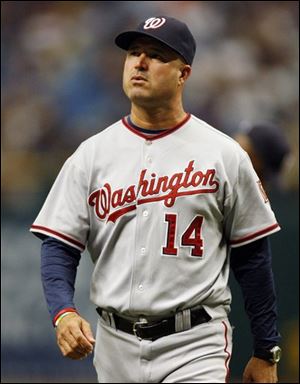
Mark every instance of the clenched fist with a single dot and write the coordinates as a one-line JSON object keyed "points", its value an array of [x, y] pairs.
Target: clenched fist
{"points": [[74, 337]]}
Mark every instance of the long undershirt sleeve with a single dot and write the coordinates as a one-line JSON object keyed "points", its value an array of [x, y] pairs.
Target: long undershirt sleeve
{"points": [[251, 265], [59, 263]]}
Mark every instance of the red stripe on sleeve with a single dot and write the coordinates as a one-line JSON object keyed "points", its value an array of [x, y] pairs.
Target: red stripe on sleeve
{"points": [[254, 235], [50, 232]]}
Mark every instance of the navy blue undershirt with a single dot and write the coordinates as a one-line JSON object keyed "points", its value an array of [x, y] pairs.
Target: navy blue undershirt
{"points": [[251, 265], [59, 263]]}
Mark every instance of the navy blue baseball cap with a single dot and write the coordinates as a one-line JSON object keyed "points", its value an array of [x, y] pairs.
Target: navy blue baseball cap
{"points": [[168, 30]]}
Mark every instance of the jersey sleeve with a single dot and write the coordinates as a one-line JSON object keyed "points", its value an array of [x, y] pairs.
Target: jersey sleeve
{"points": [[64, 214], [248, 213]]}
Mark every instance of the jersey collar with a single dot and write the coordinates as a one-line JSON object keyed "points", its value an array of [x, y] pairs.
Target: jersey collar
{"points": [[139, 132]]}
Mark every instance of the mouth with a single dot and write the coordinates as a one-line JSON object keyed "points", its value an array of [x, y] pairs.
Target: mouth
{"points": [[138, 78]]}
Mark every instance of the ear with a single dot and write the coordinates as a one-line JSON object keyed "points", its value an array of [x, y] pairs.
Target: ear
{"points": [[185, 72]]}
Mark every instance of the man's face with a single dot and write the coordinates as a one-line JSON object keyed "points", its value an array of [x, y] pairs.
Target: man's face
{"points": [[152, 72]]}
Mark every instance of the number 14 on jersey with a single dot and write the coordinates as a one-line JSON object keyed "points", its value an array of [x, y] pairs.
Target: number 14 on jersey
{"points": [[190, 238]]}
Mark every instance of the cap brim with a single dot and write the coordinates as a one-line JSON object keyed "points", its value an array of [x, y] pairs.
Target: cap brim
{"points": [[123, 40]]}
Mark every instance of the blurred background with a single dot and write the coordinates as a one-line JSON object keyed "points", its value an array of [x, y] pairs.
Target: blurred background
{"points": [[61, 83]]}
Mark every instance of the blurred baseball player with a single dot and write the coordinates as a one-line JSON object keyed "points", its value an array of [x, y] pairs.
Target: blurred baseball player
{"points": [[159, 199], [268, 149]]}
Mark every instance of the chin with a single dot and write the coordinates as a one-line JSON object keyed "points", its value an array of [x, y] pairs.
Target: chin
{"points": [[139, 97]]}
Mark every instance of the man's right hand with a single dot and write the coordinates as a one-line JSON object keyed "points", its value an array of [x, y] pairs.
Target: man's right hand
{"points": [[74, 337]]}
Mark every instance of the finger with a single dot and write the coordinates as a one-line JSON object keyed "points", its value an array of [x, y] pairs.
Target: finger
{"points": [[81, 341], [83, 347], [63, 348], [71, 346], [68, 351], [87, 331]]}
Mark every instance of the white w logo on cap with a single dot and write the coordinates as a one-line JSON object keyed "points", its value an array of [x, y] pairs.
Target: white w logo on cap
{"points": [[154, 22]]}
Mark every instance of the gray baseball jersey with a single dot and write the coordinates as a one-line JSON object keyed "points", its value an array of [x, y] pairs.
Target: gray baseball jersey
{"points": [[158, 215]]}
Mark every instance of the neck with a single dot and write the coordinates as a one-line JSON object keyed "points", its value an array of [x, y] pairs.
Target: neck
{"points": [[157, 118]]}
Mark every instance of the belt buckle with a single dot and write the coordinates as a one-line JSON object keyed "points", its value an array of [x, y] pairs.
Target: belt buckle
{"points": [[136, 324]]}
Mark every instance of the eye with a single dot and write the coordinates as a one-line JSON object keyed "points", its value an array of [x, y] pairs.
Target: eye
{"points": [[134, 53], [156, 56]]}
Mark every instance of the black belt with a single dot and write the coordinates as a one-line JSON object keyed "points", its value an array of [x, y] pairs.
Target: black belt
{"points": [[156, 329]]}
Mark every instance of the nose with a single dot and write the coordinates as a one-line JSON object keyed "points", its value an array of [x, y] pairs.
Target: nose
{"points": [[141, 62]]}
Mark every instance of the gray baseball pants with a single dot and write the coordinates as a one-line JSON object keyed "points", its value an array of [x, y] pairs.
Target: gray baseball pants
{"points": [[198, 355]]}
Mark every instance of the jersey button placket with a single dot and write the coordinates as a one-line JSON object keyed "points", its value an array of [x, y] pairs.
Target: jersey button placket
{"points": [[144, 215]]}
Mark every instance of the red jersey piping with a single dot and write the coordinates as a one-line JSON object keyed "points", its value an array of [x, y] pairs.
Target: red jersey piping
{"points": [[228, 353]]}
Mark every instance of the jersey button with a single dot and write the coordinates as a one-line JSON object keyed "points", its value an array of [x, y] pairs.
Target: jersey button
{"points": [[145, 213], [148, 142], [143, 251], [141, 287], [149, 160]]}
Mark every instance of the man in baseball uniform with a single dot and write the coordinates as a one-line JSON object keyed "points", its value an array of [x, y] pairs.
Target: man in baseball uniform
{"points": [[159, 199]]}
